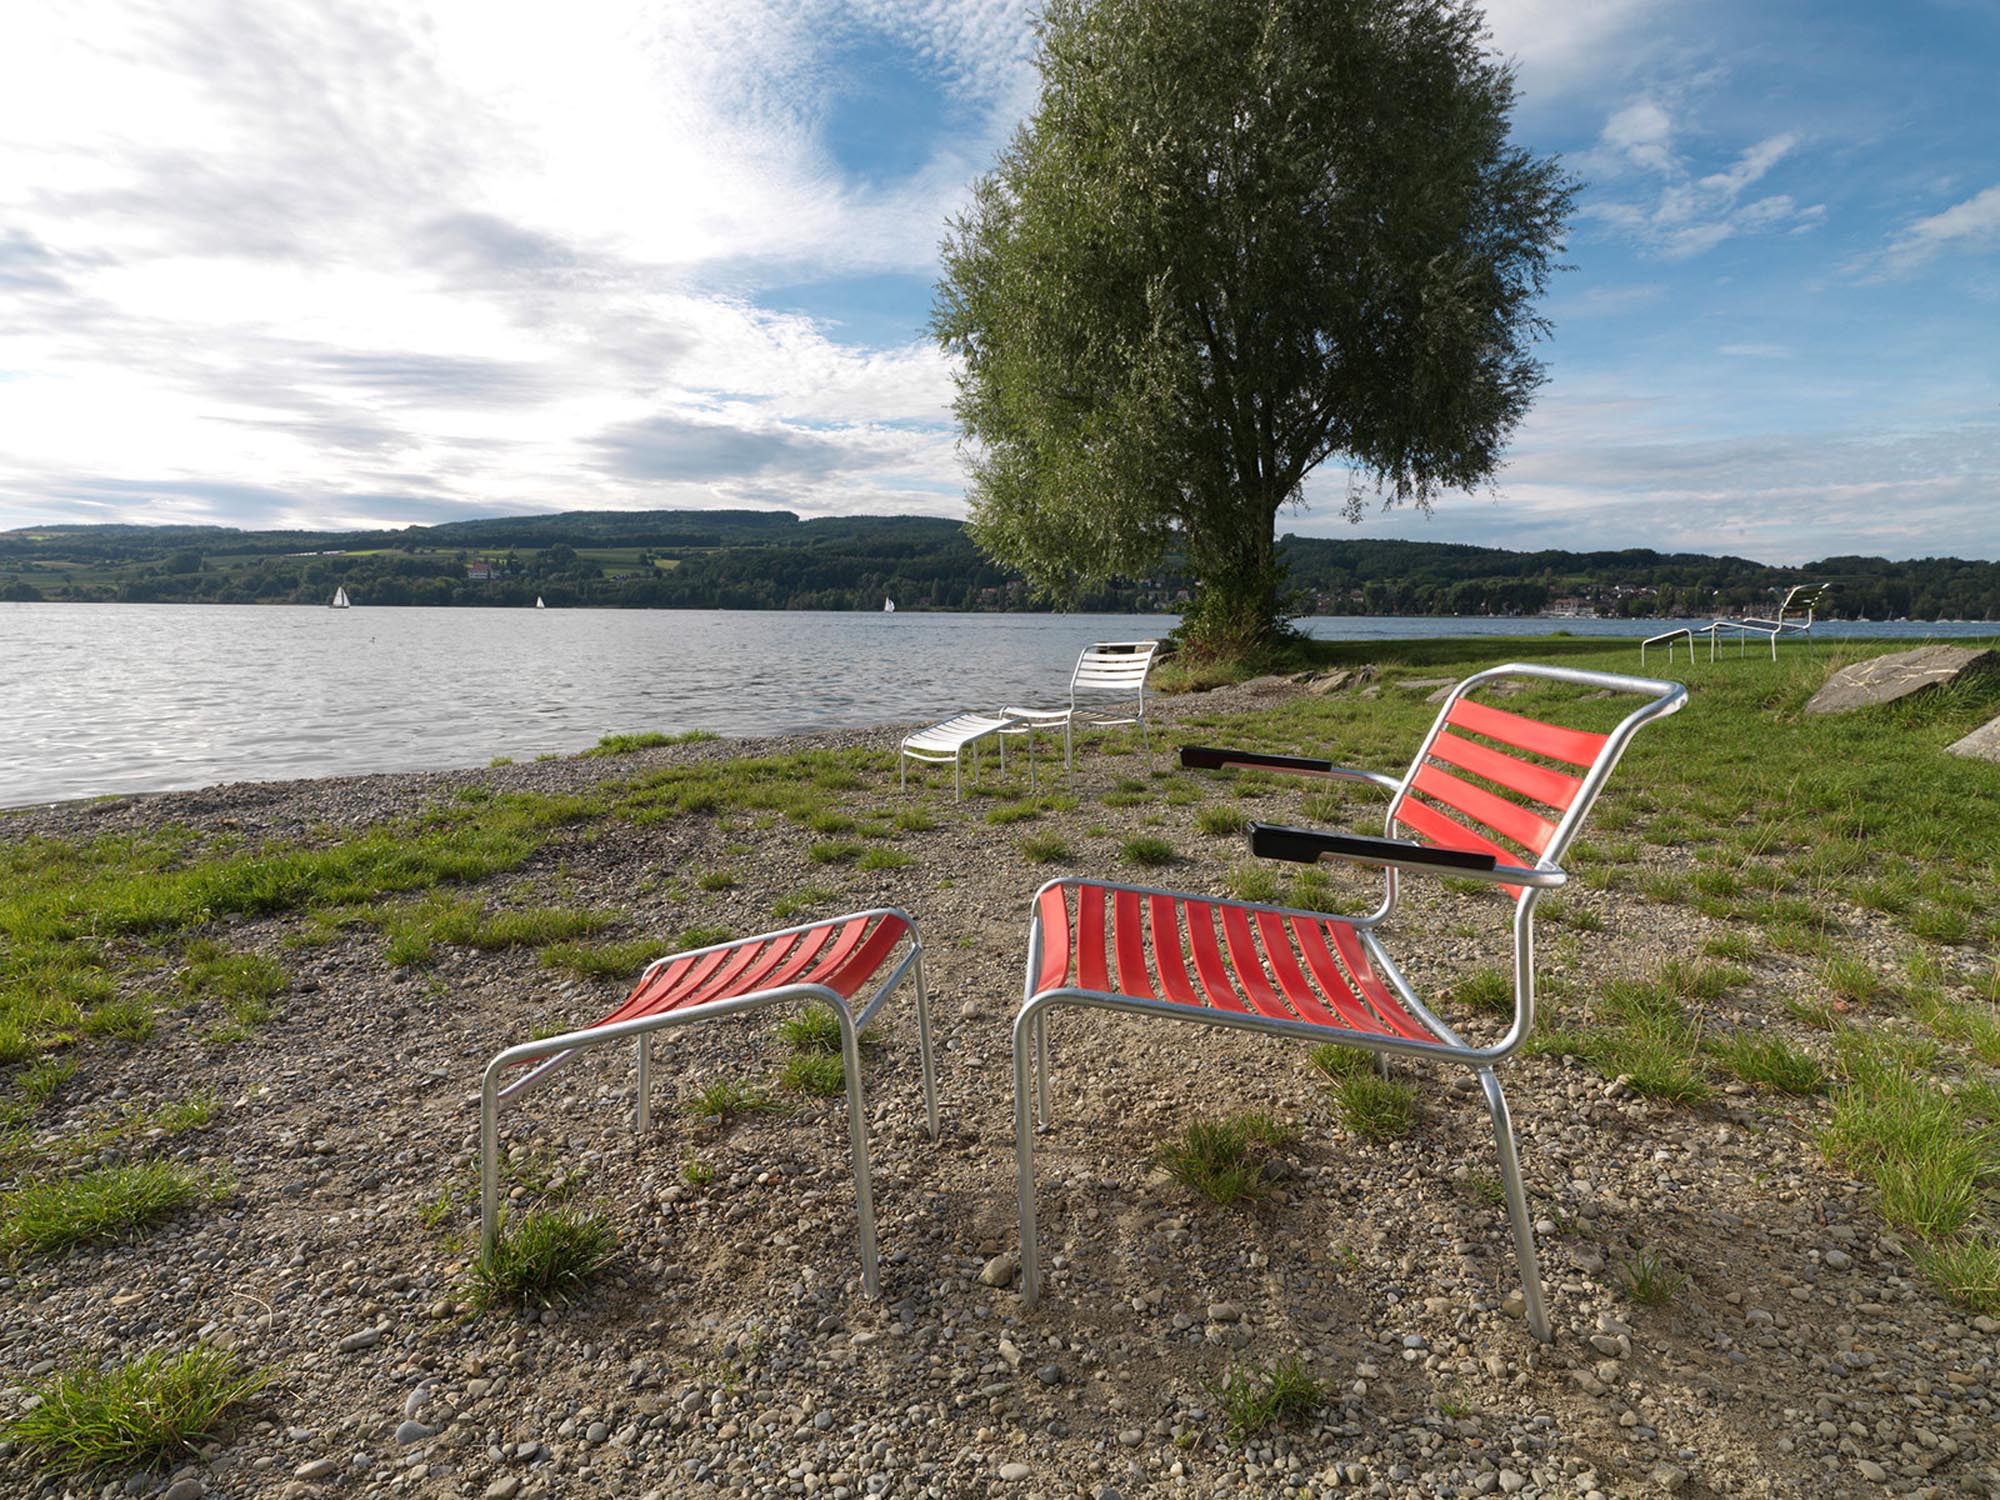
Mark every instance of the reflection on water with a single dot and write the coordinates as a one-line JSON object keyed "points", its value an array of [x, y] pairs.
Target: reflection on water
{"points": [[139, 697]]}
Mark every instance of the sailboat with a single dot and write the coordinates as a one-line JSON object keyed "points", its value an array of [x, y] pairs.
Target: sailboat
{"points": [[538, 602], [339, 599], [888, 606]]}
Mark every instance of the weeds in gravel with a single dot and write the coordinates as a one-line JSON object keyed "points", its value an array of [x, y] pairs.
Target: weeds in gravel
{"points": [[626, 744], [1013, 812], [1223, 1159], [1967, 1269], [716, 880], [815, 1028], [818, 1075], [1254, 1400], [547, 1256], [1486, 1189], [129, 1018], [1148, 851], [1375, 1108], [694, 1171], [1490, 991], [1894, 1125], [1253, 882], [1737, 947], [1045, 848], [1650, 1279], [148, 1412], [800, 902], [601, 960], [1339, 1062], [1848, 979], [885, 859], [834, 852], [110, 1203], [730, 1098], [416, 931], [1770, 1062]]}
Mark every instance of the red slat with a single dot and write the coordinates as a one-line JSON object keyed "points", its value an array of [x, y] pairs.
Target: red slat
{"points": [[1249, 965], [1577, 746], [647, 991], [1371, 984], [696, 974], [1208, 961], [1291, 978], [1167, 955], [1128, 940], [1319, 958], [1055, 939], [1508, 819], [1544, 783], [1427, 822], [758, 975], [867, 958], [722, 983], [850, 934], [1090, 971], [810, 942]]}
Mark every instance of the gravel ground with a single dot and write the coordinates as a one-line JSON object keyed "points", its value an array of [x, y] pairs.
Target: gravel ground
{"points": [[729, 1351]]}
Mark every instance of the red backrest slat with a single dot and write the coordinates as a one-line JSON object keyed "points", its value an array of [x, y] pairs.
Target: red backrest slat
{"points": [[720, 983], [1509, 819], [1208, 961], [1055, 939], [757, 976], [1577, 746], [1544, 783], [1428, 823], [1167, 956], [647, 991], [1291, 978], [1091, 973], [1249, 966], [1128, 939]]}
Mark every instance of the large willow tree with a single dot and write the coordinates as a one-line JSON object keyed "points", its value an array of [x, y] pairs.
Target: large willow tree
{"points": [[1237, 238]]}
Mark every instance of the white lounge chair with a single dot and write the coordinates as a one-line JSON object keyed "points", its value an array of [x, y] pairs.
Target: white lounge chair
{"points": [[946, 743], [1795, 617], [1108, 687]]}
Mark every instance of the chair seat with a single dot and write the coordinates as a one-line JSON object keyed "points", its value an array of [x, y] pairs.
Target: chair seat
{"points": [[1038, 715], [1283, 965], [953, 735], [842, 955]]}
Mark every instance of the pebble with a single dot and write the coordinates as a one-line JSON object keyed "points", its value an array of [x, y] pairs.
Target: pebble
{"points": [[1838, 1260], [506, 1487], [1015, 1473], [317, 1468], [1000, 1270], [1050, 1375], [183, 1489], [366, 1338], [413, 1432]]}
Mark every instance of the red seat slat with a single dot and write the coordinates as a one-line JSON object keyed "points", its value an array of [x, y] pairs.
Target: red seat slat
{"points": [[1249, 966], [1291, 978], [1167, 956], [867, 958], [1319, 958], [1371, 984], [723, 981], [1055, 939], [1091, 973], [1208, 960], [810, 942], [1578, 747], [850, 934], [1508, 819], [1530, 778], [1128, 939]]}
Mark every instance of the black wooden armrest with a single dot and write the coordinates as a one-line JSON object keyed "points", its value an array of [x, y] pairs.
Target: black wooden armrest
{"points": [[1206, 758], [1305, 846]]}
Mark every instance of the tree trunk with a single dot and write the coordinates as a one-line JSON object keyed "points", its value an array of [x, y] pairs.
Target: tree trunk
{"points": [[1238, 611]]}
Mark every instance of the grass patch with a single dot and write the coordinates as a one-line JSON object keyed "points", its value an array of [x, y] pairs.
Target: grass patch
{"points": [[548, 1256], [1148, 852], [1375, 1108], [1253, 1400], [415, 932], [1045, 849], [915, 820], [1013, 812], [801, 902], [1769, 1062], [1736, 947], [815, 1074], [147, 1412], [1339, 1062], [815, 1028], [1490, 991], [885, 859], [727, 1099], [95, 1207], [126, 1019], [834, 852], [601, 960], [1223, 1160], [1250, 881], [1650, 1279], [626, 744], [1967, 1270], [716, 880]]}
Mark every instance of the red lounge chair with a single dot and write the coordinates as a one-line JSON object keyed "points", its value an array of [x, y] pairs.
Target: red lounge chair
{"points": [[1492, 796], [831, 961]]}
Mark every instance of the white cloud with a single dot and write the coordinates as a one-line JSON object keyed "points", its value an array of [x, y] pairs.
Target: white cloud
{"points": [[1971, 225], [1691, 214]]}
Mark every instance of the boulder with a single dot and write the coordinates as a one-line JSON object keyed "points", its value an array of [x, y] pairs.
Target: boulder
{"points": [[1982, 744], [1903, 674]]}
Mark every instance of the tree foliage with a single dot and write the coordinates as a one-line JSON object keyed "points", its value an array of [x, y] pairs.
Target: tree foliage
{"points": [[1236, 239]]}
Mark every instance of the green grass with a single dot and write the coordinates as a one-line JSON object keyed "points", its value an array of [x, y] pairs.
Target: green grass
{"points": [[801, 902], [716, 880], [815, 1028], [1490, 991], [834, 852], [1968, 1270], [1249, 881], [601, 960], [1650, 1279], [1373, 1107], [95, 1207], [1253, 1400], [129, 1018], [1148, 852], [416, 931], [149, 1412], [1223, 1159], [1013, 812], [885, 859], [1770, 1062], [730, 1098], [1045, 848], [547, 1256], [626, 744], [1339, 1063], [816, 1074]]}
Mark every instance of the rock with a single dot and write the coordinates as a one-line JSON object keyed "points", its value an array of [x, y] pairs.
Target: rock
{"points": [[1000, 1270], [1838, 1260], [1510, 1482], [1670, 1478], [1050, 1375], [1902, 674], [1131, 1437], [183, 1489], [367, 1338], [1224, 1312], [1015, 1473], [506, 1487], [1514, 1304], [1011, 1352], [1873, 1472], [596, 1433], [1982, 744], [413, 1432], [317, 1468]]}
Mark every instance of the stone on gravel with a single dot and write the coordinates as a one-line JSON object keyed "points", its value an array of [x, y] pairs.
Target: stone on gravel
{"points": [[317, 1468], [413, 1432], [1001, 1269], [1015, 1473], [367, 1338], [1901, 674], [1982, 744], [183, 1489]]}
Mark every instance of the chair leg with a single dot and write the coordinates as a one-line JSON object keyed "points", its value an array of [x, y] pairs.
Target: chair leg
{"points": [[857, 1138], [1146, 739], [1024, 1159], [1041, 1071], [642, 1107], [1069, 757], [925, 1055], [1517, 1206]]}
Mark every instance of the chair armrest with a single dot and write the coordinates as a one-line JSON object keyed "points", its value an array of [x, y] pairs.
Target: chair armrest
{"points": [[1307, 845], [1208, 758]]}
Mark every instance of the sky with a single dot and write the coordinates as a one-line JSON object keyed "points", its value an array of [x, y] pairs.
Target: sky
{"points": [[280, 263]]}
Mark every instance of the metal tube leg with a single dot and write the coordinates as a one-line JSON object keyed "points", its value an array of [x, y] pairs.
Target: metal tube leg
{"points": [[924, 1053], [642, 1108], [1069, 757], [1041, 1071], [1517, 1207], [902, 773], [489, 1163], [958, 775], [1024, 1162], [857, 1137], [1146, 739]]}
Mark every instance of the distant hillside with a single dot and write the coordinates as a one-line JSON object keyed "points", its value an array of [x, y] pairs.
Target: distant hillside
{"points": [[775, 560]]}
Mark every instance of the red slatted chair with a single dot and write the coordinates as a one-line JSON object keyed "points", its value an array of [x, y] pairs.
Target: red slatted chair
{"points": [[1492, 796], [831, 962]]}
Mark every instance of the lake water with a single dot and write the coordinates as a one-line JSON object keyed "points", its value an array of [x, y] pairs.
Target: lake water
{"points": [[108, 698]]}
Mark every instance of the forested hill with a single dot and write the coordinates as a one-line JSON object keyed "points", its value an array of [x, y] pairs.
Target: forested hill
{"points": [[775, 560]]}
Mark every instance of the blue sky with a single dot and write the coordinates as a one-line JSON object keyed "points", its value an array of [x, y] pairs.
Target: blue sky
{"points": [[284, 263]]}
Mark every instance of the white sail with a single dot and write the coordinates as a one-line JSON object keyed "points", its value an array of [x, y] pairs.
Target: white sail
{"points": [[888, 606], [339, 600], [538, 602]]}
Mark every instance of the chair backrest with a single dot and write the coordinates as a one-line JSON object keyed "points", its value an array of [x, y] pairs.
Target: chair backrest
{"points": [[1801, 599], [1113, 667], [1510, 786]]}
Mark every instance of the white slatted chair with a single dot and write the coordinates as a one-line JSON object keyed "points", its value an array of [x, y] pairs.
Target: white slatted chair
{"points": [[1107, 688], [1795, 618]]}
